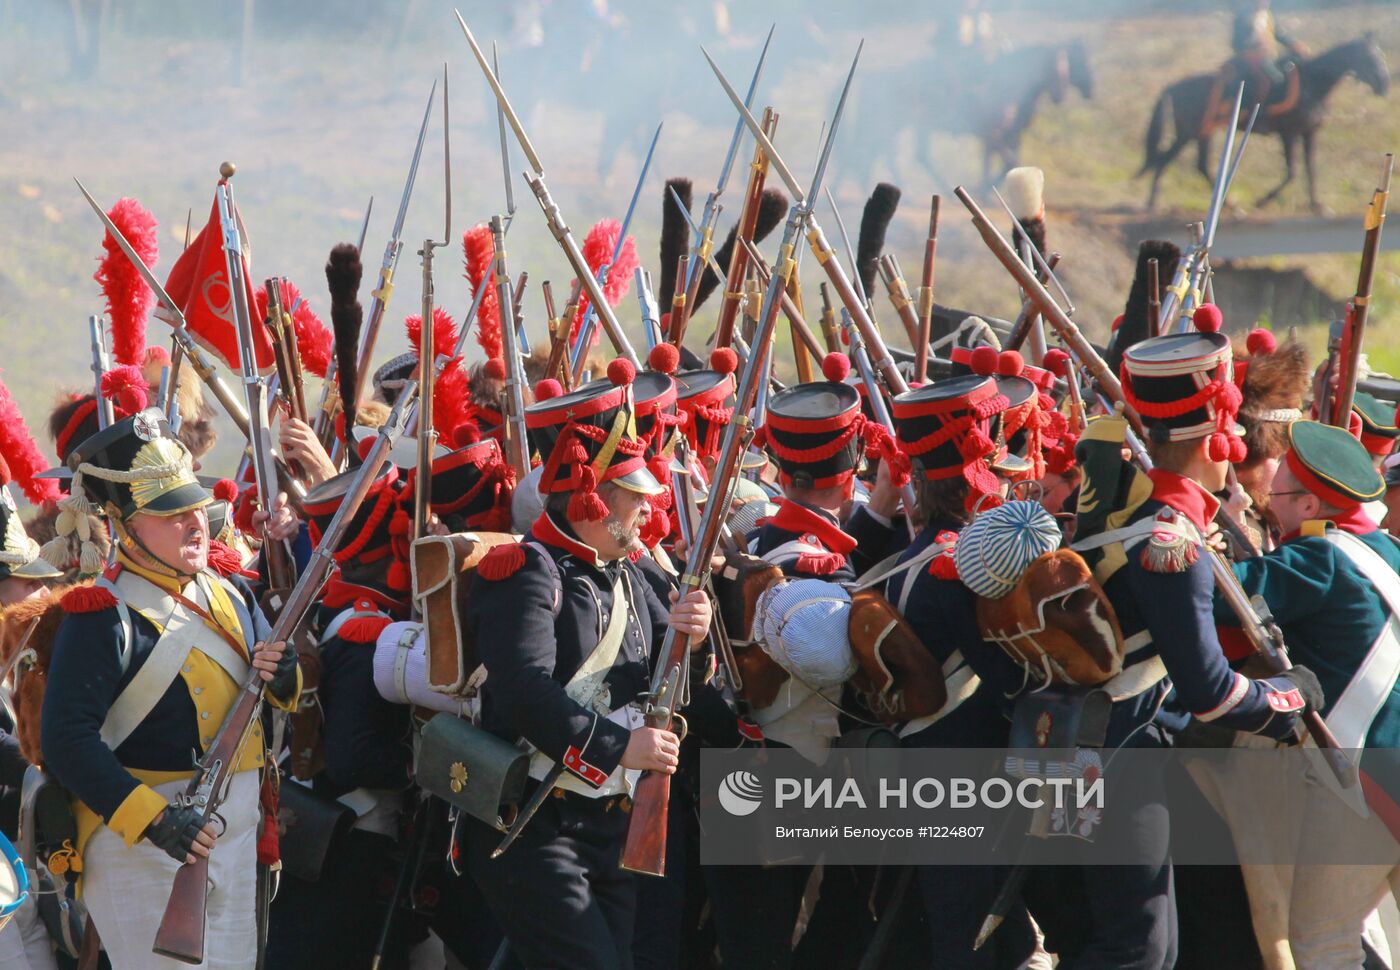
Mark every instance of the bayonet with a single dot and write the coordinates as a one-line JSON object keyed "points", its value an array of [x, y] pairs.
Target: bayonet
{"points": [[98, 338], [505, 146], [585, 331], [382, 293], [364, 226], [553, 217], [850, 253]]}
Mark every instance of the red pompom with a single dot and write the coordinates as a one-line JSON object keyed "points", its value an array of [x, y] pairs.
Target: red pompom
{"points": [[1239, 451], [621, 371], [984, 360], [724, 360], [87, 599], [1208, 318], [1218, 448], [495, 369], [836, 367], [226, 490], [1057, 362], [466, 434], [1117, 322], [502, 562], [1010, 363], [664, 358], [548, 388], [1260, 342], [363, 447], [126, 387], [157, 356]]}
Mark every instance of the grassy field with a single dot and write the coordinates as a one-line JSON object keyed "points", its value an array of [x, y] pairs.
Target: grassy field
{"points": [[325, 119]]}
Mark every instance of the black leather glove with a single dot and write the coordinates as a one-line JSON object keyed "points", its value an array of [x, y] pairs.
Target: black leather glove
{"points": [[284, 681], [175, 831], [1307, 683]]}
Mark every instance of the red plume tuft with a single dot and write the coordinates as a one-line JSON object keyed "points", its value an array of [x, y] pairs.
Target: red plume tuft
{"points": [[444, 331], [1010, 363], [479, 256], [5, 476], [724, 360], [984, 360], [621, 371], [126, 387], [451, 399], [495, 369], [547, 389], [1208, 318], [1260, 343], [129, 298], [226, 490], [597, 250], [836, 367], [21, 452], [664, 358]]}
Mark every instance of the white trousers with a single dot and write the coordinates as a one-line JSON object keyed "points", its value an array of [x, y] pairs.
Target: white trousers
{"points": [[24, 943], [126, 888]]}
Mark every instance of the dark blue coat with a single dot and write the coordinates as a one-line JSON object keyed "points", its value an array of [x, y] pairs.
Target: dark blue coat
{"points": [[796, 521]]}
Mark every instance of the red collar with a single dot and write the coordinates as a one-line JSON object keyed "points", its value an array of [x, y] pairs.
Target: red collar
{"points": [[796, 517], [1354, 521], [547, 531], [1185, 496]]}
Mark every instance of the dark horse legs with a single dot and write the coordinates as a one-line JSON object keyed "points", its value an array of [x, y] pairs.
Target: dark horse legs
{"points": [[1290, 142]]}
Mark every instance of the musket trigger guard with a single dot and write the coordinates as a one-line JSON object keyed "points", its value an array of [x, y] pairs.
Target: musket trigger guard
{"points": [[684, 728]]}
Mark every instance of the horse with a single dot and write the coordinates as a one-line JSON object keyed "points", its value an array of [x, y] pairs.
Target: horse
{"points": [[1193, 103], [993, 100]]}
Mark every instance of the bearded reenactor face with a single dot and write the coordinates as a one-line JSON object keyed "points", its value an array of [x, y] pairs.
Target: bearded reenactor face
{"points": [[627, 512], [180, 541]]}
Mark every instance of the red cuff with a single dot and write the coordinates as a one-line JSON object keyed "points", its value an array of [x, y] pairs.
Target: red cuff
{"points": [[1285, 701], [573, 760]]}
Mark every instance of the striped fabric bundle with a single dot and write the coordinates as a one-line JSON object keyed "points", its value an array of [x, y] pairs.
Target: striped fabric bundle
{"points": [[994, 551], [803, 624]]}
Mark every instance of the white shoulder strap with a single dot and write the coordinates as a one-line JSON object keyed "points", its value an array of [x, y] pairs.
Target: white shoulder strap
{"points": [[1371, 685]]}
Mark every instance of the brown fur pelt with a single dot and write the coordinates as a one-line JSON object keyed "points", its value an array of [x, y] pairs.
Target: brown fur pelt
{"points": [[1276, 381], [29, 699]]}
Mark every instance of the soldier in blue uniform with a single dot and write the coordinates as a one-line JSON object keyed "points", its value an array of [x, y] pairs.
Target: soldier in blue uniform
{"points": [[145, 667], [1142, 536], [567, 628], [951, 432], [1333, 587]]}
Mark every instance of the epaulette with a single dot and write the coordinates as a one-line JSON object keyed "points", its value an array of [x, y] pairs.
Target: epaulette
{"points": [[364, 624], [502, 562], [943, 565], [1173, 546], [820, 563], [87, 598]]}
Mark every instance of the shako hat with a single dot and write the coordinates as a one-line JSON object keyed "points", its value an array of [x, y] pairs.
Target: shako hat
{"points": [[950, 428]]}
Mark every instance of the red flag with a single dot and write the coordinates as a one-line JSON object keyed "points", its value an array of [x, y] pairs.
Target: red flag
{"points": [[199, 283]]}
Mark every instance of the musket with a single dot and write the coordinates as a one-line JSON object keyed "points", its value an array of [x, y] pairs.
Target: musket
{"points": [[590, 319], [861, 359], [828, 321], [505, 145], [288, 378], [1029, 314], [926, 293], [517, 304], [364, 226], [801, 331], [803, 356], [898, 292], [427, 351], [850, 254], [553, 217], [558, 365], [280, 570], [185, 342], [748, 222], [98, 339], [1360, 306], [875, 344], [645, 848], [387, 265], [1111, 393], [517, 448], [181, 933], [1154, 298], [646, 301], [679, 307], [704, 243]]}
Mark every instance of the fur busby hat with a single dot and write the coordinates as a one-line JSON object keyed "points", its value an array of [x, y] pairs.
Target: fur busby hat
{"points": [[1273, 381], [1183, 386], [588, 438]]}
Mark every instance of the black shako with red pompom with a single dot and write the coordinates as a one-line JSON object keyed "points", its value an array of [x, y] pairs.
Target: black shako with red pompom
{"points": [[706, 397]]}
